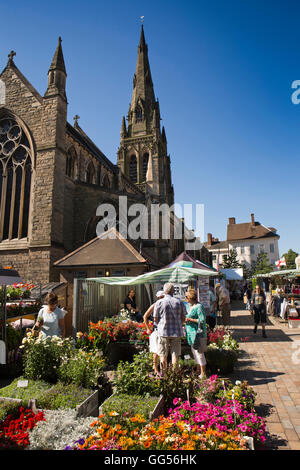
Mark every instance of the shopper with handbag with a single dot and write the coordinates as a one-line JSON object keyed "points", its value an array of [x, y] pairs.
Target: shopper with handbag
{"points": [[259, 308], [195, 327]]}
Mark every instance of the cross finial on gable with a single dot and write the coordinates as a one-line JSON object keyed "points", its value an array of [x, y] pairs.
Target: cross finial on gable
{"points": [[76, 118], [11, 56]]}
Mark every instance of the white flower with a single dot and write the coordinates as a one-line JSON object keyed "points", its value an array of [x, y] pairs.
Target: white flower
{"points": [[238, 382]]}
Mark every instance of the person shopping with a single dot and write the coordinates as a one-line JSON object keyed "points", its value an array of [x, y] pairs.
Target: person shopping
{"points": [[258, 305], [195, 320], [169, 316], [50, 320], [153, 338]]}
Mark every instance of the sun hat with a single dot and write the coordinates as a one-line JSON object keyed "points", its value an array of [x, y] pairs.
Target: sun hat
{"points": [[160, 293]]}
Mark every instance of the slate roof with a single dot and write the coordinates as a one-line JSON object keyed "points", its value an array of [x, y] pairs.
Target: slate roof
{"points": [[247, 231], [103, 251]]}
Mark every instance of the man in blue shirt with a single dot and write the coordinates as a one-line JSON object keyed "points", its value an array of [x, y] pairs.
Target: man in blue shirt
{"points": [[169, 316]]}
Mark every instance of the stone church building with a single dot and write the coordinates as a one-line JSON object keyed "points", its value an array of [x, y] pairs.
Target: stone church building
{"points": [[53, 176]]}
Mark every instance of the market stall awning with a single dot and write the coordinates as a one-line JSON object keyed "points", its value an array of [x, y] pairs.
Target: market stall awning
{"points": [[9, 277], [176, 274], [233, 274], [185, 260], [290, 273]]}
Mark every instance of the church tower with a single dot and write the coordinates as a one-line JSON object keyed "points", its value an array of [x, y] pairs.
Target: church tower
{"points": [[142, 155]]}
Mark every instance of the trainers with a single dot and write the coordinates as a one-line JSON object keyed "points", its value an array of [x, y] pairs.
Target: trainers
{"points": [[255, 329]]}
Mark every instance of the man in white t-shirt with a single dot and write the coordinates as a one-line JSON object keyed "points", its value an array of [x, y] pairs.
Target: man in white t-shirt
{"points": [[223, 302]]}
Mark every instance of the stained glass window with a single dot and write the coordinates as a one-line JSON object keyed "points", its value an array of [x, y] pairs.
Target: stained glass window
{"points": [[15, 180]]}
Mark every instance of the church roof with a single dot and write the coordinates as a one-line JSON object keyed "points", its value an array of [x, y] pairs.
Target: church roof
{"points": [[23, 79]]}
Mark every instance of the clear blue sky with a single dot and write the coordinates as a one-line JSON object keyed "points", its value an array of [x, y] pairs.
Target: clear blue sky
{"points": [[222, 71]]}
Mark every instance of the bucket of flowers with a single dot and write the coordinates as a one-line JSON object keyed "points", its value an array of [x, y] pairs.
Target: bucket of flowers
{"points": [[222, 351]]}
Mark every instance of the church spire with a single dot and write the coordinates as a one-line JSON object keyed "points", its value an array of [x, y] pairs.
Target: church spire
{"points": [[57, 73], [58, 62], [142, 104], [123, 128]]}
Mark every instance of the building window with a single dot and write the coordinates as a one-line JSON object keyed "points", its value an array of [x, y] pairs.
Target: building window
{"points": [[262, 248], [145, 165], [106, 182], [272, 248], [252, 249], [118, 273], [133, 169], [71, 163], [90, 173], [242, 250], [15, 180], [138, 114]]}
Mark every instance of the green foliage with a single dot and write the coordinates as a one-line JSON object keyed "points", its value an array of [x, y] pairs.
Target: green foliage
{"points": [[230, 261], [33, 390], [13, 337], [290, 257], [8, 408], [262, 265], [83, 368], [62, 396], [130, 405], [178, 382], [43, 356], [135, 378], [47, 395]]}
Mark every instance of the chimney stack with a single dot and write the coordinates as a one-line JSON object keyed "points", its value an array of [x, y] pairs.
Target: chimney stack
{"points": [[252, 219], [209, 239], [231, 220]]}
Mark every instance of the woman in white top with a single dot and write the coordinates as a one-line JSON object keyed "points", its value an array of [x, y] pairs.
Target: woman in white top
{"points": [[50, 319], [153, 338]]}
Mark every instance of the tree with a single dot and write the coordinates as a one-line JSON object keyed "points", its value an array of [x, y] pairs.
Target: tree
{"points": [[262, 264], [290, 257], [230, 261]]}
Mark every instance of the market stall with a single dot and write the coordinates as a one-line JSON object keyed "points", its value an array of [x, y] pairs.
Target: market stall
{"points": [[283, 299], [91, 294]]}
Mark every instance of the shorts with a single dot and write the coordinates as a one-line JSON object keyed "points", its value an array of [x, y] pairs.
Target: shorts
{"points": [[199, 357], [260, 315], [153, 342], [168, 344]]}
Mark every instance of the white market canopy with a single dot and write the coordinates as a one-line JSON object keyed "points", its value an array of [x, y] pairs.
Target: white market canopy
{"points": [[233, 274], [291, 273], [175, 274]]}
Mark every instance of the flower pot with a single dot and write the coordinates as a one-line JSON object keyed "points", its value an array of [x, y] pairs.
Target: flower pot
{"points": [[117, 352], [221, 361]]}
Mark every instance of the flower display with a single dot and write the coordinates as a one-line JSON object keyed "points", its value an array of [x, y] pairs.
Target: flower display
{"points": [[163, 433], [14, 430], [221, 338], [215, 388], [221, 417], [110, 330], [22, 308]]}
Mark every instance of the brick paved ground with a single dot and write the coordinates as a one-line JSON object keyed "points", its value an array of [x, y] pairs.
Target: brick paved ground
{"points": [[272, 367]]}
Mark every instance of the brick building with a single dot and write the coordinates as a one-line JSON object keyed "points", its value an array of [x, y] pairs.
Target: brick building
{"points": [[53, 177]]}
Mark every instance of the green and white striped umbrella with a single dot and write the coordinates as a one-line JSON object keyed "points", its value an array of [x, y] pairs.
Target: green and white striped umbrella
{"points": [[175, 274]]}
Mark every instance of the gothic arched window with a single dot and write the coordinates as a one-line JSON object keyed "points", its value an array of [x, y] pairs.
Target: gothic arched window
{"points": [[90, 173], [15, 180], [133, 169], [71, 163], [106, 182], [138, 114], [145, 165]]}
